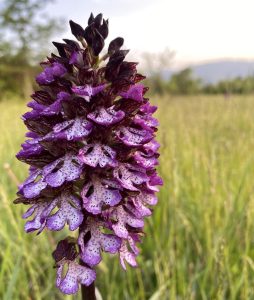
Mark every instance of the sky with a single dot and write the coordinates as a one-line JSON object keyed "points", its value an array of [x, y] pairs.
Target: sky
{"points": [[196, 30]]}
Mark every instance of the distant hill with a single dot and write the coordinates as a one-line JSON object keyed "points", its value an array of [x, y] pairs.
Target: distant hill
{"points": [[215, 71]]}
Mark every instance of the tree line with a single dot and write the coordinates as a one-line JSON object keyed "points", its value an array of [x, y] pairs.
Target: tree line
{"points": [[185, 83]]}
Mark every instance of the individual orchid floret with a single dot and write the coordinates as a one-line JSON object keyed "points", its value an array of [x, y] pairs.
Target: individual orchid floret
{"points": [[33, 185], [129, 255], [92, 151], [65, 256], [88, 91], [69, 212], [44, 110], [51, 73], [135, 92], [106, 116], [124, 218], [30, 147], [134, 137], [75, 275], [98, 155], [137, 207], [99, 192], [146, 160], [38, 222], [130, 176], [98, 241], [74, 129]]}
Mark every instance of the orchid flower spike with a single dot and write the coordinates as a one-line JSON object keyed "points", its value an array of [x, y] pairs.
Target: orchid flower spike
{"points": [[92, 153]]}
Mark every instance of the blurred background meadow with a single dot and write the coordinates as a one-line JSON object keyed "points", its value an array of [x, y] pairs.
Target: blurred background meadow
{"points": [[199, 60]]}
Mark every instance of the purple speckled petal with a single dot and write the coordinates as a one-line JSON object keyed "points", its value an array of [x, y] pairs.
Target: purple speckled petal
{"points": [[91, 249], [33, 185], [30, 147], [106, 116], [87, 91], [135, 92], [69, 212], [129, 176], [137, 208], [56, 106], [110, 243], [146, 122], [154, 181], [149, 198], [97, 154], [50, 73], [75, 275], [38, 222], [70, 170], [66, 168], [129, 255], [133, 137], [147, 108], [147, 161], [33, 189], [37, 109], [123, 218], [33, 175], [97, 193], [50, 167], [72, 130], [43, 110], [151, 147]]}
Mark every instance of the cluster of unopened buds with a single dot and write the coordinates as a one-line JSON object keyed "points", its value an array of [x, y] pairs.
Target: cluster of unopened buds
{"points": [[92, 154]]}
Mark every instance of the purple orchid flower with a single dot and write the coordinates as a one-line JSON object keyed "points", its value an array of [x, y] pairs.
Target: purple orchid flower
{"points": [[51, 73], [135, 92], [88, 91], [92, 153], [99, 241]]}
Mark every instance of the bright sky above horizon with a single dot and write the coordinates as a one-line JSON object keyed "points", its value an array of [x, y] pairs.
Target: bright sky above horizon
{"points": [[197, 30]]}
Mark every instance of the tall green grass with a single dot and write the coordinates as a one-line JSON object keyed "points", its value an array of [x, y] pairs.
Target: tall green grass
{"points": [[199, 244]]}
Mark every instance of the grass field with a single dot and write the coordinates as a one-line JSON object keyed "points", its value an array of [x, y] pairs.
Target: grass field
{"points": [[199, 243]]}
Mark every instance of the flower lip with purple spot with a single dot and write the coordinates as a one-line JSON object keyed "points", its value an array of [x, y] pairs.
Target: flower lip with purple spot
{"points": [[106, 116], [69, 212], [99, 192], [91, 249], [131, 136], [124, 218], [71, 130], [75, 275], [98, 155], [130, 176]]}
